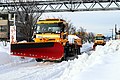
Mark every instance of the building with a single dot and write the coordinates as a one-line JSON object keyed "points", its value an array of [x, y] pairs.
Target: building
{"points": [[4, 29]]}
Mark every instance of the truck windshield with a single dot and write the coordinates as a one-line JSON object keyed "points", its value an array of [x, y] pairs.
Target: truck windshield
{"points": [[99, 37], [48, 28]]}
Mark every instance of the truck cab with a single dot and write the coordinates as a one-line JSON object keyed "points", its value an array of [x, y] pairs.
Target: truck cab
{"points": [[50, 30]]}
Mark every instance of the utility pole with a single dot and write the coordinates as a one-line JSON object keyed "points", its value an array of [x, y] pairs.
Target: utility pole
{"points": [[112, 33], [115, 31]]}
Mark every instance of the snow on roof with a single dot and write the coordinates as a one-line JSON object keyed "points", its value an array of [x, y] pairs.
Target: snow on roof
{"points": [[72, 37]]}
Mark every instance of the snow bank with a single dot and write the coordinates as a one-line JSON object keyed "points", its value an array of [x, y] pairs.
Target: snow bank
{"points": [[111, 47], [86, 47], [4, 54], [103, 64], [4, 58]]}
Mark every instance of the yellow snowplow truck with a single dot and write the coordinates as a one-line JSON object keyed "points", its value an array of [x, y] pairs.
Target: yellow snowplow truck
{"points": [[99, 40], [51, 42]]}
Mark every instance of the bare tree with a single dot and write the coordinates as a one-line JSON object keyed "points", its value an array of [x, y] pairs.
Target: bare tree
{"points": [[81, 32], [71, 28], [90, 37], [26, 17]]}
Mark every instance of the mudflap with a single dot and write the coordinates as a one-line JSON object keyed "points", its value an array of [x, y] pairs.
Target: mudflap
{"points": [[94, 46], [46, 50]]}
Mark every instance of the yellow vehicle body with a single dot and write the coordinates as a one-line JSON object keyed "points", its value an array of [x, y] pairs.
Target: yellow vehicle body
{"points": [[99, 40], [47, 37], [51, 36]]}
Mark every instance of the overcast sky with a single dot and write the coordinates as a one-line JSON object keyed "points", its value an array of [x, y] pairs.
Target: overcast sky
{"points": [[92, 21]]}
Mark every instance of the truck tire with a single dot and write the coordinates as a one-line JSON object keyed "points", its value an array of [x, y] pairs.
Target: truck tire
{"points": [[78, 51], [66, 52], [38, 60]]}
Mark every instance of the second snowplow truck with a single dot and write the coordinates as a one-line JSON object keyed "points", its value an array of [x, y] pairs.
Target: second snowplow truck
{"points": [[51, 42], [99, 40]]}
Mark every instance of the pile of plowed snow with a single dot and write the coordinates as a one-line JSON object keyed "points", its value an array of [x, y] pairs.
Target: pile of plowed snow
{"points": [[4, 56], [111, 47], [103, 63]]}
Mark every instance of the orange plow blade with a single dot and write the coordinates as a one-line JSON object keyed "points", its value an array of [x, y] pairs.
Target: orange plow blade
{"points": [[47, 50]]}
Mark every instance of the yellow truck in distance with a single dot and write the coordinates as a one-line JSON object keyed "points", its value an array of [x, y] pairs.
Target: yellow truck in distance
{"points": [[99, 40]]}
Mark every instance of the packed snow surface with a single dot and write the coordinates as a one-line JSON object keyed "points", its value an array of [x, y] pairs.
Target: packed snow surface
{"points": [[101, 64]]}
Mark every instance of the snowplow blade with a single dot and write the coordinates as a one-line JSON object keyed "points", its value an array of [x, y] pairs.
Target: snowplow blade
{"points": [[46, 50]]}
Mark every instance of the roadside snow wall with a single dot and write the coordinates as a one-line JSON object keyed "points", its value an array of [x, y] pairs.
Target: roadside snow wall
{"points": [[4, 56]]}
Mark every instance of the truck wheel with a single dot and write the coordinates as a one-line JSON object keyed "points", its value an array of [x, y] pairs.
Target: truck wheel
{"points": [[66, 52], [94, 46], [39, 60], [78, 51]]}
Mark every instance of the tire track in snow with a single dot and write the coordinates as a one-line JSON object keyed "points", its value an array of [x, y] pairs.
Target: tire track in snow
{"points": [[33, 71], [13, 65], [51, 71], [46, 72]]}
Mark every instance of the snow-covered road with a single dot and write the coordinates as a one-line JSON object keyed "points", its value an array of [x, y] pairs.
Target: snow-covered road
{"points": [[29, 69], [40, 71], [102, 59]]}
